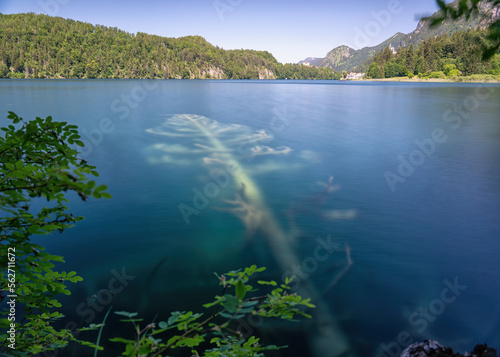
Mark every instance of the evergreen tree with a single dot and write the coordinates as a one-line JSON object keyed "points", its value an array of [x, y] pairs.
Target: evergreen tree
{"points": [[410, 59]]}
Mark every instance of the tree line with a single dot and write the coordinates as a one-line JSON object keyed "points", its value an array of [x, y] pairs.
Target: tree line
{"points": [[437, 57], [41, 46]]}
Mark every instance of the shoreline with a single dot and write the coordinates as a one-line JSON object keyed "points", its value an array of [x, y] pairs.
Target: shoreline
{"points": [[468, 79], [489, 78]]}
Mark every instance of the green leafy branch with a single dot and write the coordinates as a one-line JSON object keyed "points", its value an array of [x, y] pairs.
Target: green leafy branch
{"points": [[233, 304], [39, 161]]}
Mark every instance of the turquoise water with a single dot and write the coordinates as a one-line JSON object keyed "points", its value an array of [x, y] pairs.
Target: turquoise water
{"points": [[415, 195]]}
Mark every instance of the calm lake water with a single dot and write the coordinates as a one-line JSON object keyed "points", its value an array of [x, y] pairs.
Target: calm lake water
{"points": [[415, 195]]}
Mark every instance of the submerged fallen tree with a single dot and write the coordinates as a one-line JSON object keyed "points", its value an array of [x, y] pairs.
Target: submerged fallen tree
{"points": [[224, 148]]}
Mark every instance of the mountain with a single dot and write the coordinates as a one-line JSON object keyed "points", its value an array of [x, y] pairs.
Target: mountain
{"points": [[336, 57], [312, 61], [41, 46], [344, 58]]}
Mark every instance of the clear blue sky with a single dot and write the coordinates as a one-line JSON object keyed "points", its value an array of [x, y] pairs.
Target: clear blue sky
{"points": [[290, 29]]}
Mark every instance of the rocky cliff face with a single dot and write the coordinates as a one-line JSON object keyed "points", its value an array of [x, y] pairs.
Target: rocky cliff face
{"points": [[266, 74], [492, 14], [214, 73], [419, 26]]}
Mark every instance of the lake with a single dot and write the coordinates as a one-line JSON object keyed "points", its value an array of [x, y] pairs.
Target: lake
{"points": [[211, 176]]}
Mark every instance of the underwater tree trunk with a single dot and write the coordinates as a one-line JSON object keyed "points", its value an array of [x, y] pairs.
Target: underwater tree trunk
{"points": [[223, 143]]}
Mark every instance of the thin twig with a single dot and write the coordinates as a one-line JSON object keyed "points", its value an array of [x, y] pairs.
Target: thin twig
{"points": [[100, 332], [344, 271]]}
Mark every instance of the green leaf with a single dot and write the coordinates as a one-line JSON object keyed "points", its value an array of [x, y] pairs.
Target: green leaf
{"points": [[210, 304], [125, 313], [131, 320], [262, 282], [226, 315], [231, 303], [119, 339], [190, 341], [249, 303], [101, 188], [173, 319], [240, 289], [172, 340], [246, 310]]}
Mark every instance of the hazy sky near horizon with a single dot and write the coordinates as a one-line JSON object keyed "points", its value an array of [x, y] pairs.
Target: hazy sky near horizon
{"points": [[290, 29]]}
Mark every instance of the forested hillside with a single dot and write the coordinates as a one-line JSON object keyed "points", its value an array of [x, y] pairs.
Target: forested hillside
{"points": [[41, 46], [437, 57]]}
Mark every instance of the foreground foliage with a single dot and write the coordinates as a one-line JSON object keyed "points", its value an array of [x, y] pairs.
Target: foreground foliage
{"points": [[213, 334], [39, 170]]}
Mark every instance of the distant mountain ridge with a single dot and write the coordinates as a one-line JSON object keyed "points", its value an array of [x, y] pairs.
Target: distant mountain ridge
{"points": [[312, 61], [344, 58]]}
